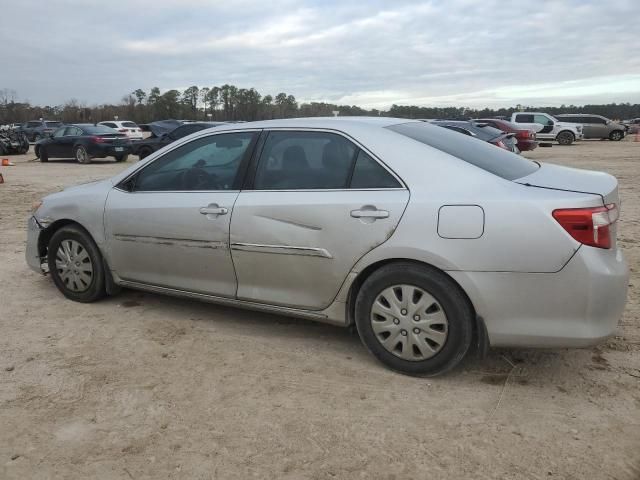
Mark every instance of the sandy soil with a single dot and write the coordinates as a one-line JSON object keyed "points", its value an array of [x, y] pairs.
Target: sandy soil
{"points": [[143, 386]]}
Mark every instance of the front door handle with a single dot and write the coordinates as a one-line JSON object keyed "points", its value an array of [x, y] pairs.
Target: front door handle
{"points": [[214, 209], [369, 211]]}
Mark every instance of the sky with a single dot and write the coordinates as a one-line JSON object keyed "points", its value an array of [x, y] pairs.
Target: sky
{"points": [[370, 53]]}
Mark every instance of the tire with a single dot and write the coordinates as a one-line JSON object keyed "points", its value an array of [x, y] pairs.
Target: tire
{"points": [[435, 298], [144, 152], [75, 264], [81, 154], [42, 154], [616, 135], [565, 137], [122, 158], [37, 137]]}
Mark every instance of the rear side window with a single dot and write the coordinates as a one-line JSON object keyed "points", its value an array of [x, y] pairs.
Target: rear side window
{"points": [[129, 125], [476, 152], [304, 160], [368, 173], [524, 118], [109, 124]]}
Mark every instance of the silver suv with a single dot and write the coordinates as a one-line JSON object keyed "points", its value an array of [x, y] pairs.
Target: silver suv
{"points": [[595, 126]]}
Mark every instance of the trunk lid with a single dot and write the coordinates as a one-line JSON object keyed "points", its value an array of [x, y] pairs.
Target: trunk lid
{"points": [[557, 177]]}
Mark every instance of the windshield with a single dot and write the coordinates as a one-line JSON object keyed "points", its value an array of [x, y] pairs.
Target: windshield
{"points": [[476, 152]]}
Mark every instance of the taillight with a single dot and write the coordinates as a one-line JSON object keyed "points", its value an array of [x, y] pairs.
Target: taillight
{"points": [[122, 130], [97, 139], [501, 144], [589, 226]]}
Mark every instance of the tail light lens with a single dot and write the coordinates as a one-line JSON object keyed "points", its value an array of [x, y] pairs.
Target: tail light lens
{"points": [[589, 226], [501, 144], [122, 130], [97, 139]]}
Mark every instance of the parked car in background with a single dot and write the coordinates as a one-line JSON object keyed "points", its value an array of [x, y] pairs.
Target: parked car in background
{"points": [[595, 126], [38, 129], [84, 142], [526, 137], [165, 132], [451, 242], [482, 131], [548, 127], [633, 125], [130, 129]]}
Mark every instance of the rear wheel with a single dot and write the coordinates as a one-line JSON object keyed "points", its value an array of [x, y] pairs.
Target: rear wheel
{"points": [[81, 154], [76, 265], [565, 138], [414, 319], [41, 152], [37, 137], [616, 136]]}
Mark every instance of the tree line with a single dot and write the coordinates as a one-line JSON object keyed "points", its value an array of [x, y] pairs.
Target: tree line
{"points": [[229, 103]]}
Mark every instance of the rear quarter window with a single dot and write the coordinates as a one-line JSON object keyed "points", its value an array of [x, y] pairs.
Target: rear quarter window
{"points": [[483, 155]]}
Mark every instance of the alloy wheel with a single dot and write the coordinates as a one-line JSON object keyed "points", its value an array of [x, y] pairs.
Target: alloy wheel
{"points": [[81, 155], [409, 322], [74, 266]]}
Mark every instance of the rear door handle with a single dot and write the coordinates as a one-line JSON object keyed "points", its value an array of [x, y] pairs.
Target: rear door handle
{"points": [[214, 209], [369, 213]]}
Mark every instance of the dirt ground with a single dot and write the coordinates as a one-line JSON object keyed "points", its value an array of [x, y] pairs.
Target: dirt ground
{"points": [[141, 386]]}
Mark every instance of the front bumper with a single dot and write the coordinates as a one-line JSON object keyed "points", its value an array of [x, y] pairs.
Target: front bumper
{"points": [[578, 306], [32, 252]]}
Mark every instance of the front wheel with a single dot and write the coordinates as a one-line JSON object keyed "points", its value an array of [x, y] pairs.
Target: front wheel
{"points": [[82, 156], [414, 319], [41, 153], [76, 265], [565, 138], [616, 136]]}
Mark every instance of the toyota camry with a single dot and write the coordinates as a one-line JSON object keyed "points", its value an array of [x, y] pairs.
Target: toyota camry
{"points": [[428, 241]]}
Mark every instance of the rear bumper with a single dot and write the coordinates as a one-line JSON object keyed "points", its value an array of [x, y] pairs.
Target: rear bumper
{"points": [[100, 150], [32, 252], [527, 145], [576, 307]]}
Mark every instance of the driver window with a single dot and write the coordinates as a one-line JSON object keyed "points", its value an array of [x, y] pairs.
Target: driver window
{"points": [[206, 163]]}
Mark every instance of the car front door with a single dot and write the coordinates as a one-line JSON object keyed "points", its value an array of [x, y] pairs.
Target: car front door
{"points": [[168, 224], [317, 203], [54, 144], [64, 145]]}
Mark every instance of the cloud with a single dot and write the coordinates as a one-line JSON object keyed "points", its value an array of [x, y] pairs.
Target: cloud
{"points": [[373, 53]]}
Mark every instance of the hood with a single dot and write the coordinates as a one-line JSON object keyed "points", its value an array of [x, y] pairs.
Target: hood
{"points": [[569, 179], [163, 126]]}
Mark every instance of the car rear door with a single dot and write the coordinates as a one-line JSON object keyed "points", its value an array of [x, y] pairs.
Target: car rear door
{"points": [[317, 203], [168, 224]]}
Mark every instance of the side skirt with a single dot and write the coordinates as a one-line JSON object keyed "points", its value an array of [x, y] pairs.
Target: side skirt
{"points": [[232, 302]]}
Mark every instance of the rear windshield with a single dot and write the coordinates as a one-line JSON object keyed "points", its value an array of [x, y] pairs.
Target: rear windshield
{"points": [[489, 157], [97, 129], [53, 124], [129, 125]]}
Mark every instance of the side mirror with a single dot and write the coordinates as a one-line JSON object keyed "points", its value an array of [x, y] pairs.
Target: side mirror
{"points": [[550, 123]]}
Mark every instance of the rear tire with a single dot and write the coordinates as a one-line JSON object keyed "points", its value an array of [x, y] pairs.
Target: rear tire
{"points": [[41, 152], [414, 319], [37, 137], [81, 154], [76, 265], [616, 136], [565, 138]]}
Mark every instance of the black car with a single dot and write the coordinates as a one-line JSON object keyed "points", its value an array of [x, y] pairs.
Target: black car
{"points": [[84, 142], [165, 132], [482, 131], [38, 129]]}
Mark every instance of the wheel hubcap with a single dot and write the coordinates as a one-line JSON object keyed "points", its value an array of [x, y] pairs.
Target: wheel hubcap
{"points": [[409, 323], [74, 266], [81, 155]]}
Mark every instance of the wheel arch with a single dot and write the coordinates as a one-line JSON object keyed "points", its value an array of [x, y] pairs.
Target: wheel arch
{"points": [[47, 233]]}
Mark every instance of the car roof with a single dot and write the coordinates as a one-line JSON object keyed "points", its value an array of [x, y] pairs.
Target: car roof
{"points": [[341, 123]]}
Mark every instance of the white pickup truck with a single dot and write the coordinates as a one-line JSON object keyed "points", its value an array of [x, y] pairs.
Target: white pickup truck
{"points": [[548, 127]]}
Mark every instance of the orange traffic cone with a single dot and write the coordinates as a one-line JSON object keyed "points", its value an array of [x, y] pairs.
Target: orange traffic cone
{"points": [[7, 163]]}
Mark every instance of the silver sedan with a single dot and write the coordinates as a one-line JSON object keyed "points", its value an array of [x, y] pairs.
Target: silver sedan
{"points": [[429, 242]]}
